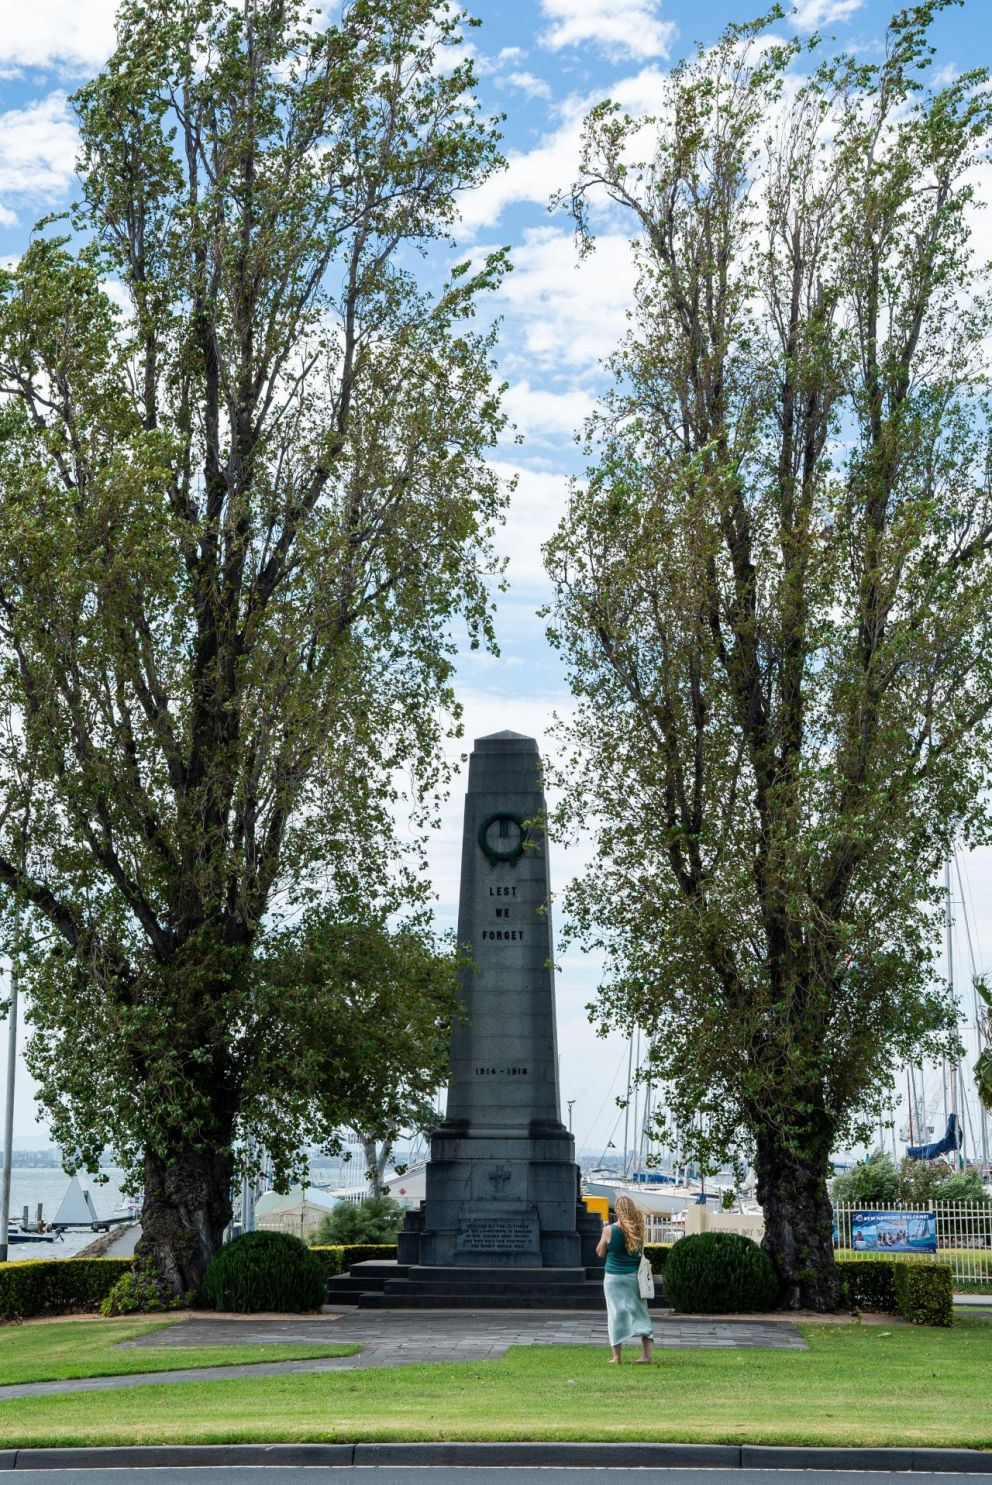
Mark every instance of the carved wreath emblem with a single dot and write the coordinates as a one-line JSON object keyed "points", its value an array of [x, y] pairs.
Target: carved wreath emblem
{"points": [[502, 837]]}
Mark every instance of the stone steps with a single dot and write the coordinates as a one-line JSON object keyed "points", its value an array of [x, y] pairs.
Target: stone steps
{"points": [[491, 1291], [540, 1278], [522, 1300], [383, 1286]]}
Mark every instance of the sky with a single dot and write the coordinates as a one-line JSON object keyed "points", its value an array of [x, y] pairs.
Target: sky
{"points": [[543, 63]]}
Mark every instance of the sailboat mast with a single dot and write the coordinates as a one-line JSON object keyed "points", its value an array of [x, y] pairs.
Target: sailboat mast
{"points": [[636, 1152], [983, 1113], [626, 1107], [946, 1074]]}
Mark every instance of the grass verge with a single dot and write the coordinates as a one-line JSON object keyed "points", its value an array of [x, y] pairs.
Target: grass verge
{"points": [[855, 1385], [91, 1348]]}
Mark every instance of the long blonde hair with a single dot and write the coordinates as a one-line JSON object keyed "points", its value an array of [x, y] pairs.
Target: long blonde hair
{"points": [[630, 1220]]}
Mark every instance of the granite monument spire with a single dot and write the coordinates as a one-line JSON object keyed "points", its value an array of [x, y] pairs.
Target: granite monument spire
{"points": [[502, 1183]]}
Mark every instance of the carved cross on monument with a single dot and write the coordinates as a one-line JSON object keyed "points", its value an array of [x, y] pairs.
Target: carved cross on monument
{"points": [[499, 1178]]}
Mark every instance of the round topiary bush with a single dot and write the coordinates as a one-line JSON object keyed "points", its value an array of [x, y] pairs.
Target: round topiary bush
{"points": [[717, 1272], [265, 1271]]}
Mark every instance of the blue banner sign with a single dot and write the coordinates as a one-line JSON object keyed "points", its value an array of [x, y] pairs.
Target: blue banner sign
{"points": [[894, 1232]]}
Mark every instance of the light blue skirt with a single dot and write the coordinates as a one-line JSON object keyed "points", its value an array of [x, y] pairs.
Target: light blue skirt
{"points": [[626, 1312]]}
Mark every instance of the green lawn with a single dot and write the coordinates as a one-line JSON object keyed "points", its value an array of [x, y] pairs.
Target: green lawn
{"points": [[91, 1348], [857, 1384]]}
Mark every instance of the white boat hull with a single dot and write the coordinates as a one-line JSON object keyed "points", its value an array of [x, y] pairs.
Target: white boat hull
{"points": [[660, 1201]]}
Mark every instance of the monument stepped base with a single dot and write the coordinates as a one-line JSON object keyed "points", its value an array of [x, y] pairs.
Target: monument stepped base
{"points": [[400, 1286]]}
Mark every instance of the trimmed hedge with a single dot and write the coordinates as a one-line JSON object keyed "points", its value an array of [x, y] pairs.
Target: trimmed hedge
{"points": [[57, 1286], [924, 1293], [657, 1255], [869, 1283], [920, 1291], [339, 1258], [329, 1260], [265, 1271], [719, 1272]]}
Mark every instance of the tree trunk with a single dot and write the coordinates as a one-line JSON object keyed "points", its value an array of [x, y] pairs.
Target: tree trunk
{"points": [[376, 1160], [186, 1208], [798, 1224]]}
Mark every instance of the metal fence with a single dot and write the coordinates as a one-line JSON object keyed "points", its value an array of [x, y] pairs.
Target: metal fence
{"points": [[701, 1219], [659, 1230], [964, 1235]]}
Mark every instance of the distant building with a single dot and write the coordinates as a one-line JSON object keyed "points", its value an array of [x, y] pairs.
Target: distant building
{"points": [[298, 1212]]}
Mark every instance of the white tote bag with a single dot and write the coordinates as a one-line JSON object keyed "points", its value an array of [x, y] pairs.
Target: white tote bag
{"points": [[645, 1279]]}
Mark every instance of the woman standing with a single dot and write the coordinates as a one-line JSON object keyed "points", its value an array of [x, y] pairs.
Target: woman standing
{"points": [[622, 1244]]}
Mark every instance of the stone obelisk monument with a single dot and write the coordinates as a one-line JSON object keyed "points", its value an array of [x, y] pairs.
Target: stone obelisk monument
{"points": [[502, 1183]]}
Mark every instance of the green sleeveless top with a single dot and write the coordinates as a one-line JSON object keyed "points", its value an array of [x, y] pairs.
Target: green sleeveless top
{"points": [[618, 1260]]}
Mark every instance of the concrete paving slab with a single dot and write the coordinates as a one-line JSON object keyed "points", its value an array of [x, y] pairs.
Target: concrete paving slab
{"points": [[474, 1333]]}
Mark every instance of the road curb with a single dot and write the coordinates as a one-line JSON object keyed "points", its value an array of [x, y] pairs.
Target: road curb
{"points": [[565, 1455]]}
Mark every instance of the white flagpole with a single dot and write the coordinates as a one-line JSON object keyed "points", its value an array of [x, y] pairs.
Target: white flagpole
{"points": [[8, 1113]]}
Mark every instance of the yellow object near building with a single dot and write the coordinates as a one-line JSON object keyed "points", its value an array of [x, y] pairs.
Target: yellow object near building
{"points": [[598, 1204]]}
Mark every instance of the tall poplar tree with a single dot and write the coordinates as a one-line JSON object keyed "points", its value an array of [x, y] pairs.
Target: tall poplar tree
{"points": [[242, 497], [774, 588]]}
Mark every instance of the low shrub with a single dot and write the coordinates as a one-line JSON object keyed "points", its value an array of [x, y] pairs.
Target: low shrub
{"points": [[716, 1272], [924, 1292], [57, 1286], [373, 1221], [142, 1291], [329, 1260], [364, 1252], [265, 1271], [918, 1290], [657, 1254], [337, 1258], [868, 1283]]}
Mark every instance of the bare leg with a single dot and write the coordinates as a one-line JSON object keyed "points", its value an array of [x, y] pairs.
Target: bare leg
{"points": [[645, 1357], [615, 1358]]}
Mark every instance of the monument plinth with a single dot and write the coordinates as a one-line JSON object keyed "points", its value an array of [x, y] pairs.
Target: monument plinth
{"points": [[502, 1183]]}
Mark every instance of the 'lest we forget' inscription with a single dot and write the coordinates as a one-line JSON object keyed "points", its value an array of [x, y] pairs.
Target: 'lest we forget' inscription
{"points": [[504, 935]]}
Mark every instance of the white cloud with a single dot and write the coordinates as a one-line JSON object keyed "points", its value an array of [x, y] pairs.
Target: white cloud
{"points": [[8, 218], [534, 87], [544, 416], [571, 310], [74, 34], [37, 151], [505, 70], [535, 175], [810, 14], [536, 508], [619, 27]]}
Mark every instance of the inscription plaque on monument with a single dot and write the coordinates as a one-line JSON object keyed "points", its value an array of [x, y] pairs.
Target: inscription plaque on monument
{"points": [[503, 1234], [502, 1183]]}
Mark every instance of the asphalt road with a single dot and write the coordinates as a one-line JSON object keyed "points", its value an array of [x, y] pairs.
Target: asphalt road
{"points": [[483, 1475]]}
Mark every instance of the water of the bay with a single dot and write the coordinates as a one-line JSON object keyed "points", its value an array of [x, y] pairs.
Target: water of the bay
{"points": [[31, 1184], [46, 1184]]}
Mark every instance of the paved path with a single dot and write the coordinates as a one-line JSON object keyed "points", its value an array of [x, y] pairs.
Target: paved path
{"points": [[125, 1242], [403, 1338]]}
